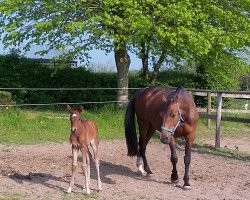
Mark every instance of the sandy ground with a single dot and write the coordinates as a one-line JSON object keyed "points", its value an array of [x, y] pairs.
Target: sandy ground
{"points": [[43, 172]]}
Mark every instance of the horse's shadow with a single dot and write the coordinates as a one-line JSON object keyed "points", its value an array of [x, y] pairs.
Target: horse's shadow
{"points": [[107, 169]]}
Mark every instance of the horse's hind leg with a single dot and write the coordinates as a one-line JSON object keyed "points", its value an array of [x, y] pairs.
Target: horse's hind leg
{"points": [[143, 141], [94, 145], [74, 165], [174, 160]]}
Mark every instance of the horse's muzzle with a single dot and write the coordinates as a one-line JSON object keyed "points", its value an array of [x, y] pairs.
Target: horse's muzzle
{"points": [[164, 140]]}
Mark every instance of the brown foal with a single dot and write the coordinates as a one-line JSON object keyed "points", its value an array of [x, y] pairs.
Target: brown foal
{"points": [[84, 134]]}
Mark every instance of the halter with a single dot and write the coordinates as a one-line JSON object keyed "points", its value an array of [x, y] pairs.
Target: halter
{"points": [[180, 120]]}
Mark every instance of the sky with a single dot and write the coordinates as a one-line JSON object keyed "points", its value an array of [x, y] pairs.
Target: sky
{"points": [[98, 57]]}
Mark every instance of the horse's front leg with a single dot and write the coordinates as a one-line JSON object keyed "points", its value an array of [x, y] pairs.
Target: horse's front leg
{"points": [[174, 160], [187, 160]]}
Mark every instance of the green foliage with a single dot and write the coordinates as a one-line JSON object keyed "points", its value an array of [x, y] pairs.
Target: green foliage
{"points": [[176, 78], [182, 29], [5, 98], [223, 73], [16, 71]]}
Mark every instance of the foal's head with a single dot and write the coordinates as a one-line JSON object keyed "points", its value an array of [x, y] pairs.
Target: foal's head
{"points": [[75, 118]]}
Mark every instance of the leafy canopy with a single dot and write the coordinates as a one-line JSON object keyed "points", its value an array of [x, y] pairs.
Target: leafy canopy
{"points": [[184, 29]]}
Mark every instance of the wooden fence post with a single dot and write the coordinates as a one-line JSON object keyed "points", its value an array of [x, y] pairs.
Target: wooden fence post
{"points": [[218, 120], [209, 109]]}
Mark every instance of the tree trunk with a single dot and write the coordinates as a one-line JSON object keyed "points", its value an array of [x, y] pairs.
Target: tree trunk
{"points": [[122, 61], [144, 59], [157, 67]]}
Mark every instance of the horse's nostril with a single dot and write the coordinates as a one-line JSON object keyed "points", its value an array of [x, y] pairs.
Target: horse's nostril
{"points": [[164, 140]]}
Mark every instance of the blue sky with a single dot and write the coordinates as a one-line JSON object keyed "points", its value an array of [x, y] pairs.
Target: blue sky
{"points": [[98, 57]]}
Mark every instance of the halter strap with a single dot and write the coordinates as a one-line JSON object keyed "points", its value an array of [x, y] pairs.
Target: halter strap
{"points": [[180, 120]]}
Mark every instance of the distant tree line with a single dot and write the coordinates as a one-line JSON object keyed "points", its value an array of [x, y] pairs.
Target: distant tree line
{"points": [[20, 72]]}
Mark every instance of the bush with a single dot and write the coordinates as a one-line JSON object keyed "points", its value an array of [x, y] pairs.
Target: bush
{"points": [[5, 98]]}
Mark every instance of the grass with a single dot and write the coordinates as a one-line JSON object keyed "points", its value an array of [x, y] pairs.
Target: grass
{"points": [[30, 127], [34, 126]]}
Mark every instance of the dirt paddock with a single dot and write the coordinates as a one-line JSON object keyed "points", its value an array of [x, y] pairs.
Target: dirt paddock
{"points": [[43, 172]]}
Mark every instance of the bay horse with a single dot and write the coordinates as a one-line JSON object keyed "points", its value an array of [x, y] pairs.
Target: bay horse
{"points": [[84, 134], [172, 113]]}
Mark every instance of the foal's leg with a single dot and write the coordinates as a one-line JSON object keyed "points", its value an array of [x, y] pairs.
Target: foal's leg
{"points": [[187, 160], [85, 167], [74, 165], [174, 160], [94, 145]]}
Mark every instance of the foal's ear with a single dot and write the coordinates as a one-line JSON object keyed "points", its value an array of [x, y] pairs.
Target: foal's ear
{"points": [[80, 109], [69, 109]]}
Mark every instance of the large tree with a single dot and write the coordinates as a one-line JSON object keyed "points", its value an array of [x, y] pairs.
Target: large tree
{"points": [[191, 31], [178, 29], [75, 26]]}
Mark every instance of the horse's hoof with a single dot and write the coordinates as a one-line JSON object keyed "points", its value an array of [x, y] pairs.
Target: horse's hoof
{"points": [[149, 175], [175, 181], [141, 171], [186, 187]]}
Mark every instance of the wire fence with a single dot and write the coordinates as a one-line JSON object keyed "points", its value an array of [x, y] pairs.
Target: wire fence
{"points": [[63, 89]]}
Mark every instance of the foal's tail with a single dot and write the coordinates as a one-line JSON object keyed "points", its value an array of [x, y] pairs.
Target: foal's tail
{"points": [[130, 129]]}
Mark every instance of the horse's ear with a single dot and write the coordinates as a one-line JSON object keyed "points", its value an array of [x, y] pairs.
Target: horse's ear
{"points": [[69, 109], [175, 100], [80, 109], [164, 98]]}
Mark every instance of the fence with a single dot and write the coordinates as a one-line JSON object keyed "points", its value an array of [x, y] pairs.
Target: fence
{"points": [[196, 92], [218, 117]]}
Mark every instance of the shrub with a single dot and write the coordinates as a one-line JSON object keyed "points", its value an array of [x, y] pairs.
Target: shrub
{"points": [[5, 98]]}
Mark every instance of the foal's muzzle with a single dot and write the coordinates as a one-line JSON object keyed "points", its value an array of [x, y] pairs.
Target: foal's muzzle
{"points": [[73, 131]]}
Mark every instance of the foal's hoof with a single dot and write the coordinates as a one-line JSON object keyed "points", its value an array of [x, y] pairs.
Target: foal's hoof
{"points": [[87, 192], [68, 191], [186, 187]]}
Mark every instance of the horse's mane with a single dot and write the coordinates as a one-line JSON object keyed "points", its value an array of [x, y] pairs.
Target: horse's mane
{"points": [[175, 93]]}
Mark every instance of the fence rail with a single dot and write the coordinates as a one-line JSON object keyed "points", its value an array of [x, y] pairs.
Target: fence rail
{"points": [[196, 92]]}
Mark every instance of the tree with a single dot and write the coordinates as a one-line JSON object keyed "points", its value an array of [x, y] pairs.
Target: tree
{"points": [[77, 26], [193, 31], [179, 29]]}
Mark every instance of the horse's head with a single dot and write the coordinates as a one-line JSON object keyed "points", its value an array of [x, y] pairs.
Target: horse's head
{"points": [[171, 119], [75, 117]]}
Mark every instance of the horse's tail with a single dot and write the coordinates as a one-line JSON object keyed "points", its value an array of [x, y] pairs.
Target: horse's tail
{"points": [[130, 129]]}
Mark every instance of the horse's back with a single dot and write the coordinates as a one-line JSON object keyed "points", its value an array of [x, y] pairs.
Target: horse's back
{"points": [[150, 98], [149, 103]]}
